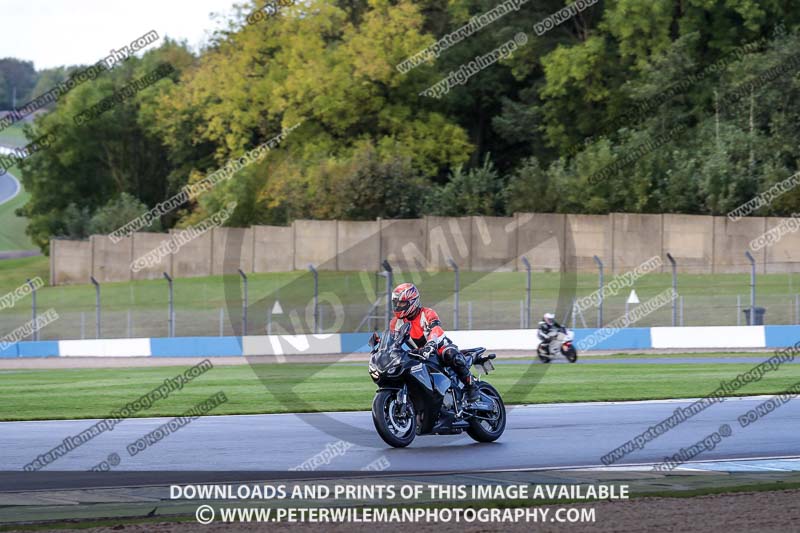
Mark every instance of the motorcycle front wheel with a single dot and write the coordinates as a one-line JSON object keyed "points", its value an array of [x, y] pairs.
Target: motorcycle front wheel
{"points": [[571, 354], [396, 426]]}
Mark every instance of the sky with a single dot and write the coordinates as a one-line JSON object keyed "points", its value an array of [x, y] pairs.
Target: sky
{"points": [[69, 32]]}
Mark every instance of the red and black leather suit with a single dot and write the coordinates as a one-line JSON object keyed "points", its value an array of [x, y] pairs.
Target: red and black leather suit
{"points": [[426, 331]]}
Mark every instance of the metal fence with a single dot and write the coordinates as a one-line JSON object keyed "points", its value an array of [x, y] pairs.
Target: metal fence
{"points": [[332, 302]]}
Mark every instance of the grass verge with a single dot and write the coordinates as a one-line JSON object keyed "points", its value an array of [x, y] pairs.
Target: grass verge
{"points": [[94, 393]]}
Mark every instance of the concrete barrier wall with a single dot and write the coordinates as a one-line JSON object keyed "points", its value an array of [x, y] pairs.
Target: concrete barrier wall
{"points": [[446, 239], [315, 244], [358, 245], [784, 253], [690, 240], [195, 257], [70, 261], [494, 244], [731, 239], [540, 238], [111, 262], [404, 243], [144, 243], [551, 242], [232, 250], [273, 249], [640, 238], [592, 235]]}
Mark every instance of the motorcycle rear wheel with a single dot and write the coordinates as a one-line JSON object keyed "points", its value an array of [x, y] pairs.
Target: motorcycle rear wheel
{"points": [[540, 353], [484, 430], [394, 428]]}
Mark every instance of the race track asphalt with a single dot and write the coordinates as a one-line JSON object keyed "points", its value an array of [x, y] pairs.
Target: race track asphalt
{"points": [[537, 436]]}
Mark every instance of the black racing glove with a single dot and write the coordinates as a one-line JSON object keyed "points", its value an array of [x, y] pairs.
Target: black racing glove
{"points": [[429, 350]]}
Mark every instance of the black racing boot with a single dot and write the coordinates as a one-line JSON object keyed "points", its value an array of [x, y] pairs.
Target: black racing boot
{"points": [[472, 393]]}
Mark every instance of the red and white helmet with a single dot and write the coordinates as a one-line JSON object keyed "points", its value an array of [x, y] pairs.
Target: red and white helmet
{"points": [[405, 300]]}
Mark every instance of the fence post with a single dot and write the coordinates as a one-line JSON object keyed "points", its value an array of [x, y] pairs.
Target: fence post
{"points": [[96, 307], [244, 303], [33, 310], [600, 292], [752, 260], [527, 291], [469, 315], [674, 288], [316, 297], [389, 275], [457, 289], [221, 320], [171, 321], [738, 309]]}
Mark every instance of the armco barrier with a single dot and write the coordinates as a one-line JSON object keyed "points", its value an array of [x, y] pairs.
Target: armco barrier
{"points": [[718, 337]]}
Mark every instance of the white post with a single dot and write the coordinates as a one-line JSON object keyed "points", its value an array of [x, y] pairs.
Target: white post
{"points": [[221, 319]]}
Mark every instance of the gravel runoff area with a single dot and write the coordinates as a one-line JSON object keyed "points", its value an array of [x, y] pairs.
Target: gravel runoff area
{"points": [[764, 512], [35, 363]]}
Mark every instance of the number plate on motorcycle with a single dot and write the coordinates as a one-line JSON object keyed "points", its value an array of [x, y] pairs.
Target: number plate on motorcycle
{"points": [[486, 367]]}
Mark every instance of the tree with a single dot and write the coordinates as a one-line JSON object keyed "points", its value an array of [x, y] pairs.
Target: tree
{"points": [[118, 212], [91, 163]]}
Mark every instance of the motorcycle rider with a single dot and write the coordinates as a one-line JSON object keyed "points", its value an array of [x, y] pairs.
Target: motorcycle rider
{"points": [[548, 333], [427, 334]]}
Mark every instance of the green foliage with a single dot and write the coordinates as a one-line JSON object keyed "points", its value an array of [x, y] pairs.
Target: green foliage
{"points": [[118, 212], [19, 75], [469, 192], [602, 94]]}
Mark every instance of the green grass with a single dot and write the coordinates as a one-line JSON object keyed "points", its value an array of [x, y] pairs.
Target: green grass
{"points": [[13, 136], [278, 388], [12, 227]]}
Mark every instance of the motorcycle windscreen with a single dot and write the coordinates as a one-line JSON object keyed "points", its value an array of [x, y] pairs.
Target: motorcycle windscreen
{"points": [[386, 352]]}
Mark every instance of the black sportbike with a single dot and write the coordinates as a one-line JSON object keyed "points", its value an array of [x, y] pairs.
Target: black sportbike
{"points": [[420, 396]]}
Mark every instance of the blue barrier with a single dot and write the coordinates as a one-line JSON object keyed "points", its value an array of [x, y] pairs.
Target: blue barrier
{"points": [[355, 342], [9, 352], [196, 347], [38, 349], [623, 339], [781, 336]]}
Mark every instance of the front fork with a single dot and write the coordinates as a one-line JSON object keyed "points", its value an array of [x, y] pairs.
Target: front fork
{"points": [[402, 397]]}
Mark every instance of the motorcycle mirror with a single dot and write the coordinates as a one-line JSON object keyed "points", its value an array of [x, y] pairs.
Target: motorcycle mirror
{"points": [[374, 340]]}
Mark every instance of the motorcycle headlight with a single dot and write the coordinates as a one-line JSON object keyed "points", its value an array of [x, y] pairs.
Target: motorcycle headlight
{"points": [[373, 371]]}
